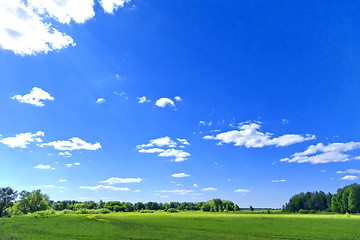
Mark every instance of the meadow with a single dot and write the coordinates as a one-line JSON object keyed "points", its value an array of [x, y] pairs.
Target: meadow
{"points": [[181, 225]]}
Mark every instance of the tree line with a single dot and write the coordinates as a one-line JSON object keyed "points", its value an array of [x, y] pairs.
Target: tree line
{"points": [[14, 204], [346, 200]]}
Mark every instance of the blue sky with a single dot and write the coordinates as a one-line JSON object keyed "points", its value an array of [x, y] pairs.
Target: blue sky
{"points": [[179, 100]]}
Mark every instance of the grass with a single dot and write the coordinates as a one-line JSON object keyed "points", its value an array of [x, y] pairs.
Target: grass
{"points": [[182, 225]]}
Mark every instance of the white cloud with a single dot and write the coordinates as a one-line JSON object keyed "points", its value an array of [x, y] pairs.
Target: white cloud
{"points": [[74, 143], [21, 140], [164, 196], [159, 142], [66, 11], [25, 26], [35, 97], [77, 164], [179, 155], [285, 121], [320, 153], [65, 154], [49, 186], [209, 189], [100, 100], [143, 99], [276, 181], [242, 190], [177, 98], [151, 150], [110, 6], [163, 102], [180, 175], [178, 191], [62, 180], [101, 187], [183, 141], [115, 180], [203, 123], [137, 191], [68, 165], [351, 171], [350, 178], [23, 30], [41, 166], [195, 185], [249, 136]]}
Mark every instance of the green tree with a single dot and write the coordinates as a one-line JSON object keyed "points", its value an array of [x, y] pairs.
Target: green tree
{"points": [[7, 196], [129, 207], [251, 209], [30, 202]]}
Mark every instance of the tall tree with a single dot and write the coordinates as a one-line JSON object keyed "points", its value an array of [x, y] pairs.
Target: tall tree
{"points": [[7, 196], [30, 202]]}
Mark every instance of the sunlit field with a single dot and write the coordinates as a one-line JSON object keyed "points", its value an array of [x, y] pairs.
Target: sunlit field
{"points": [[182, 225]]}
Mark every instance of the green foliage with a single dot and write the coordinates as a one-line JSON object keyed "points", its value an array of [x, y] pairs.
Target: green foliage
{"points": [[129, 207], [347, 199], [218, 205], [147, 211], [311, 201], [7, 196], [172, 210], [30, 202]]}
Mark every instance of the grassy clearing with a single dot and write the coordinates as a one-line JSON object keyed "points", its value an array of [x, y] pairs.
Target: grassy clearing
{"points": [[182, 225]]}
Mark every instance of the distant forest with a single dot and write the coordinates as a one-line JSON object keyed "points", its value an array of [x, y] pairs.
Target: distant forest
{"points": [[346, 200]]}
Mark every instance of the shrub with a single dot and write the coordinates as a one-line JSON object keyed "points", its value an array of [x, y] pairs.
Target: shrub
{"points": [[147, 211], [172, 210], [103, 211]]}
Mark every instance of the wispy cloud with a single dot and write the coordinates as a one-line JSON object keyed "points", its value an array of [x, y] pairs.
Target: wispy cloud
{"points": [[73, 143], [242, 190], [249, 137], [180, 175], [101, 187], [276, 181], [159, 142], [41, 166], [178, 191], [143, 99], [65, 154], [320, 153], [209, 189], [154, 145], [351, 171], [115, 180], [350, 178]]}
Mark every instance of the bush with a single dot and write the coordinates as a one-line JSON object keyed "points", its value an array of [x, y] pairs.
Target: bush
{"points": [[147, 211], [103, 211], [82, 211], [302, 211], [43, 214], [66, 211], [172, 210]]}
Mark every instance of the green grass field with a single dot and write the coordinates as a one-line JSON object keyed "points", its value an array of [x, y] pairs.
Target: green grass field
{"points": [[182, 225]]}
